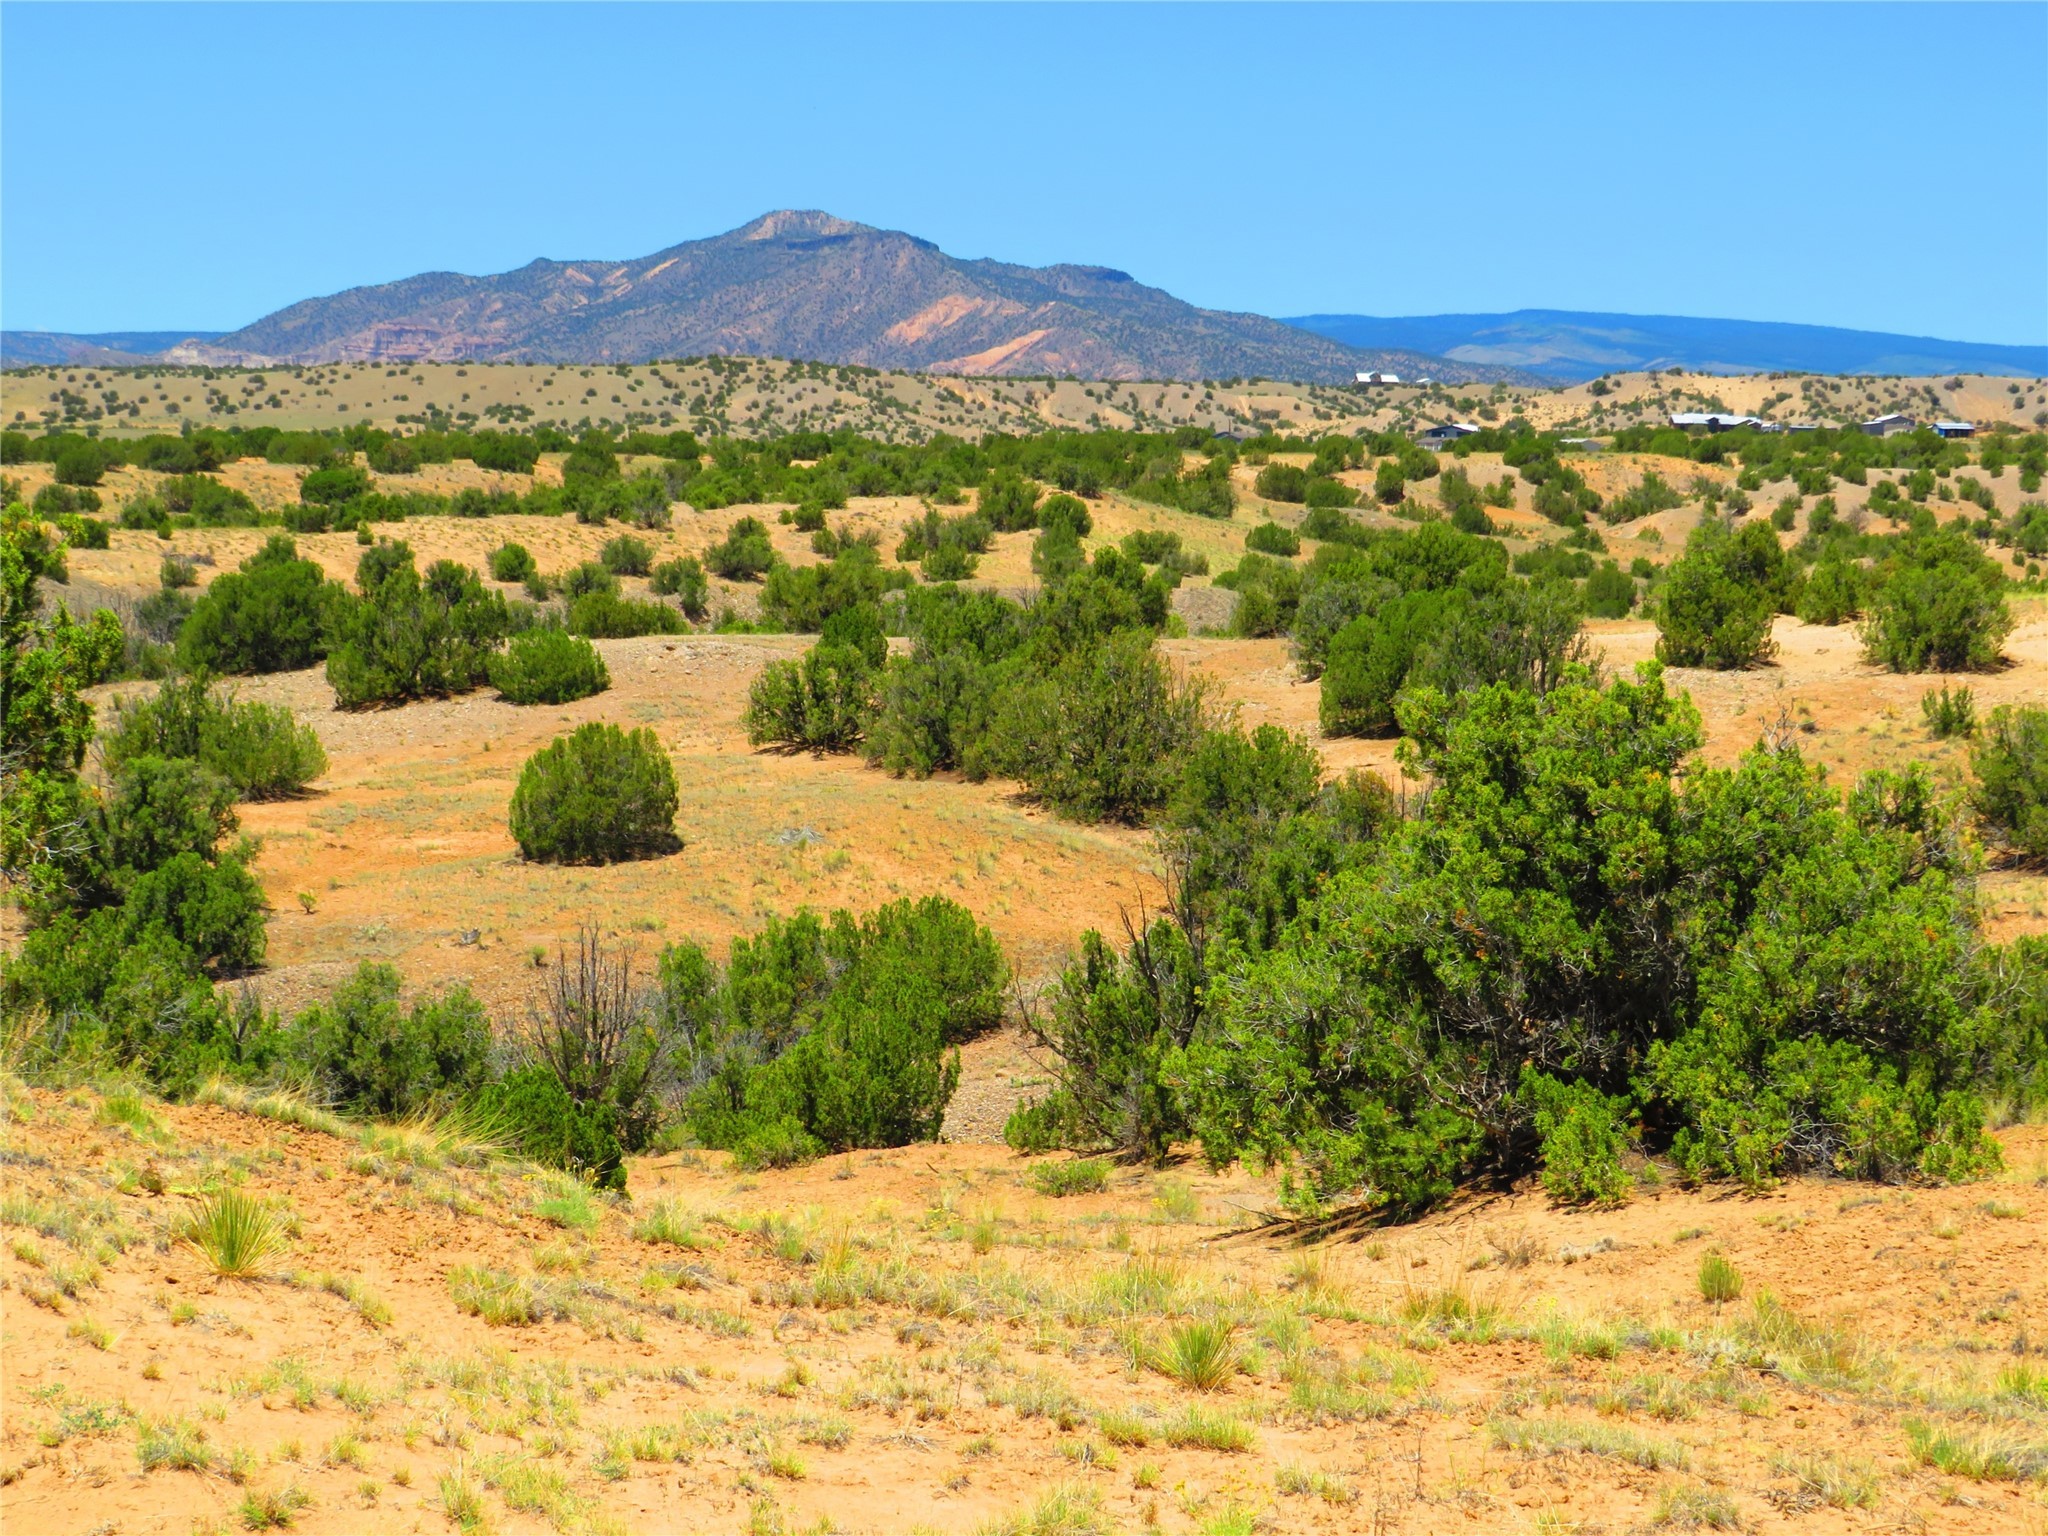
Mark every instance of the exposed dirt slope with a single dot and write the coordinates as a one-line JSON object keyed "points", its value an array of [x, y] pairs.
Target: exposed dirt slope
{"points": [[919, 1339]]}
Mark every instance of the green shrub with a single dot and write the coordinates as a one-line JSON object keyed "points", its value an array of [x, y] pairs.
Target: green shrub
{"points": [[1369, 661], [160, 807], [1833, 593], [2010, 762], [1325, 492], [334, 487], [821, 700], [212, 909], [872, 1072], [235, 1233], [545, 665], [582, 580], [1939, 606], [1650, 495], [1718, 598], [512, 562], [1273, 539], [1610, 592], [366, 1050], [1008, 502], [81, 463], [1582, 1138], [1282, 482], [1101, 737], [683, 579], [627, 556], [1949, 712], [607, 616], [539, 1120], [596, 796], [1757, 1009], [745, 554], [272, 615], [412, 637], [261, 749]]}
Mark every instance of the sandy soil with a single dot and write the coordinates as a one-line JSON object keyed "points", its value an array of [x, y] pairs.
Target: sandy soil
{"points": [[921, 1339]]}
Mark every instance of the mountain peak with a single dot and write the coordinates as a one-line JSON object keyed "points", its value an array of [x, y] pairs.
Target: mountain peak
{"points": [[800, 224]]}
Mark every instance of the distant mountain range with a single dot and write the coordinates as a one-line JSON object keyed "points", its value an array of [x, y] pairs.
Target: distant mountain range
{"points": [[106, 349], [812, 286], [801, 285], [1570, 346]]}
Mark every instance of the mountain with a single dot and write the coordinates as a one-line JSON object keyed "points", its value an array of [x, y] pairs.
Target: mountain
{"points": [[107, 349], [1571, 346], [807, 285]]}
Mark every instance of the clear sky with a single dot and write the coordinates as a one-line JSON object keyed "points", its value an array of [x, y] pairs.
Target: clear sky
{"points": [[1876, 166]]}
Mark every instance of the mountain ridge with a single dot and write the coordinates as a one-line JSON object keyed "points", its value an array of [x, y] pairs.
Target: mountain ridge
{"points": [[1571, 346], [807, 284]]}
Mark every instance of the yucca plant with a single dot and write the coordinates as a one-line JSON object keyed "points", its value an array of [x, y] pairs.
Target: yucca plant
{"points": [[235, 1233], [1201, 1355]]}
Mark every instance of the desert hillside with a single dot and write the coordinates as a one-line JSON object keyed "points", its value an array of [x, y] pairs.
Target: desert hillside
{"points": [[954, 1339]]}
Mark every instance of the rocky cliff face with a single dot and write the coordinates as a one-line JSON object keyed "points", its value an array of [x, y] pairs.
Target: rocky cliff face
{"points": [[805, 285]]}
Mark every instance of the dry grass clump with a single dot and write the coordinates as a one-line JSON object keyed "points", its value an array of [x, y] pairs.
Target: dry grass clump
{"points": [[235, 1233], [1075, 1176], [1690, 1507], [1065, 1510], [1720, 1281], [1209, 1429], [1306, 1482], [1827, 1480], [670, 1221], [371, 1309], [1981, 1456], [1543, 1437], [174, 1445]]}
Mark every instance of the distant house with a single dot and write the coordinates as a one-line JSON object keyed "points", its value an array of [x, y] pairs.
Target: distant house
{"points": [[1889, 426], [1956, 428], [1714, 421], [1374, 376], [1444, 432]]}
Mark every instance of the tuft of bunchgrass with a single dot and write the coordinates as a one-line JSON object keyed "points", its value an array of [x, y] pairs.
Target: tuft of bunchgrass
{"points": [[1839, 1484], [671, 1222], [235, 1233], [173, 1445], [461, 1500], [1981, 1457], [567, 1202], [1692, 1508], [1720, 1280], [273, 1511], [1064, 1510], [1207, 1429], [369, 1307], [1075, 1176], [1542, 1436], [1303, 1481], [1120, 1427]]}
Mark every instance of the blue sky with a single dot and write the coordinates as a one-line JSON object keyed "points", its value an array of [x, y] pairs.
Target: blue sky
{"points": [[1879, 166]]}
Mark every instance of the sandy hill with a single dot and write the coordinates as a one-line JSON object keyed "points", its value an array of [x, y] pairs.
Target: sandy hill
{"points": [[809, 285]]}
